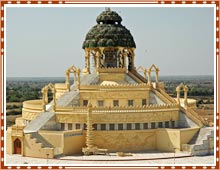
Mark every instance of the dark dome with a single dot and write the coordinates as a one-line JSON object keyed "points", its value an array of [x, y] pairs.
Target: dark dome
{"points": [[108, 16], [109, 32]]}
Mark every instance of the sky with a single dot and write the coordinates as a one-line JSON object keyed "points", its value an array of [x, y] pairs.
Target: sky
{"points": [[44, 42]]}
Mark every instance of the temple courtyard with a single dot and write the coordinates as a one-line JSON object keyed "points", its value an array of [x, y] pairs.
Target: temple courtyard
{"points": [[139, 159]]}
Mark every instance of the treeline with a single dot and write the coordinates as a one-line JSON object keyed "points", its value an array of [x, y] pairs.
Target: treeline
{"points": [[19, 91]]}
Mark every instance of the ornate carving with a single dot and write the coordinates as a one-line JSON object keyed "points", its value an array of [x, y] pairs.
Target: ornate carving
{"points": [[126, 140]]}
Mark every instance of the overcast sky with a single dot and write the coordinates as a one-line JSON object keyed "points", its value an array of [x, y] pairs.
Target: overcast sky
{"points": [[42, 42]]}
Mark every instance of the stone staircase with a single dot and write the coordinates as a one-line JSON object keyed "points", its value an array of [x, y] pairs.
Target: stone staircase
{"points": [[38, 147], [129, 79], [71, 98], [202, 143], [194, 116], [39, 122], [166, 95], [40, 139], [89, 79]]}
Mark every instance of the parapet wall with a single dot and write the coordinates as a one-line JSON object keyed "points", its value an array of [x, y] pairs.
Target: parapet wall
{"points": [[152, 113]]}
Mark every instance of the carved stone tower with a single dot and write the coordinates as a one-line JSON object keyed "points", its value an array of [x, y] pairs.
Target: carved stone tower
{"points": [[109, 44]]}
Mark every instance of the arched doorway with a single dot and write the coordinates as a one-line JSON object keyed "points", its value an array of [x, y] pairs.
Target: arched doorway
{"points": [[17, 146]]}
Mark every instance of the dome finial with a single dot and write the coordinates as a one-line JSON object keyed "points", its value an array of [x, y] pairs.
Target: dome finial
{"points": [[108, 9]]}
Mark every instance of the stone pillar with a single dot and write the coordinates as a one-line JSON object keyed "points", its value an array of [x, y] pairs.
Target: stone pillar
{"points": [[54, 99], [87, 64], [44, 98], [89, 134], [141, 126], [107, 127], [156, 125], [148, 76], [145, 73], [131, 51], [75, 77], [68, 79], [98, 126], [157, 71], [116, 126], [149, 125], [98, 55], [185, 96], [81, 126], [124, 57], [178, 94], [66, 126], [78, 74], [124, 126], [133, 126], [73, 126]]}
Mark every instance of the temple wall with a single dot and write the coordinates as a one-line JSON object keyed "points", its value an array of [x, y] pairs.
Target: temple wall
{"points": [[33, 149], [143, 140], [131, 141], [67, 143], [109, 96], [122, 117], [185, 122], [168, 139], [112, 77], [73, 142], [9, 141], [55, 138]]}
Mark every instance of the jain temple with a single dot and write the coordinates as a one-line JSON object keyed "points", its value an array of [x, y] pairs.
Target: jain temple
{"points": [[111, 109]]}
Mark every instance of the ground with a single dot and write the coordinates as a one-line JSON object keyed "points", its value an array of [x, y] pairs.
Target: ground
{"points": [[138, 159]]}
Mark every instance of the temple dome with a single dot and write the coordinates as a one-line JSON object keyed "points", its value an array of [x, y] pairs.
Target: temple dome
{"points": [[108, 32]]}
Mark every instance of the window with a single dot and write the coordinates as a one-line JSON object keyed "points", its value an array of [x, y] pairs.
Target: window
{"points": [[172, 124], [130, 102], [115, 103], [103, 126], [112, 126], [145, 125], [120, 126], [137, 126], [70, 127], [166, 124], [84, 126], [129, 126], [101, 103], [62, 126], [144, 102], [153, 125], [77, 126], [85, 102], [94, 126], [160, 124]]}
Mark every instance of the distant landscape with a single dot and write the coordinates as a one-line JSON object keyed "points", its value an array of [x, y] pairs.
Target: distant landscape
{"points": [[19, 89]]}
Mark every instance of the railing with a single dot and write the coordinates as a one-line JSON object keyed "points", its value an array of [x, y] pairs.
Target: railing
{"points": [[167, 96], [162, 97], [112, 70], [61, 86], [33, 104], [137, 77], [17, 130], [134, 77], [194, 116], [127, 109], [197, 116], [118, 87]]}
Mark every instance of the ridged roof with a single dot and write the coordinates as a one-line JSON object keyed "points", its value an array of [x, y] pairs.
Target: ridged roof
{"points": [[108, 32]]}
